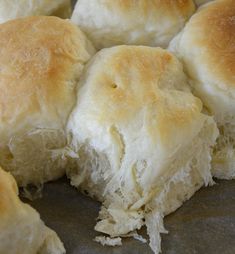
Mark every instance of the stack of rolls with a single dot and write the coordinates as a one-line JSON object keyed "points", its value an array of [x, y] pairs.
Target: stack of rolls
{"points": [[134, 125]]}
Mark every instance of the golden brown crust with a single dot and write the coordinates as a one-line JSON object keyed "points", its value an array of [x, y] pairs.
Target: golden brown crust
{"points": [[126, 81], [12, 9], [39, 58], [8, 193], [183, 7], [213, 31]]}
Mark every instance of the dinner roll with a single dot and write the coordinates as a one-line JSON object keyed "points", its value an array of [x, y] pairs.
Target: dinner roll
{"points": [[41, 59], [21, 229], [12, 9], [140, 22], [143, 143], [207, 49]]}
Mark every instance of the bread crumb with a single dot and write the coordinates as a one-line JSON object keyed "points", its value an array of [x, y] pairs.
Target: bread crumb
{"points": [[105, 240]]}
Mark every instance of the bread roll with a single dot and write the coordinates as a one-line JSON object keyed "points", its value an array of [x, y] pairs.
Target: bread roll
{"points": [[139, 22], [41, 59], [12, 9], [207, 49], [21, 229], [143, 143]]}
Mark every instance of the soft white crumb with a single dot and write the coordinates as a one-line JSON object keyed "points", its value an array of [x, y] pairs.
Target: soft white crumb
{"points": [[105, 240], [136, 236], [139, 238]]}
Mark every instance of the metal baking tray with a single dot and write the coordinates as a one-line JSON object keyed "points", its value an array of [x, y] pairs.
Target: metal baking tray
{"points": [[203, 225]]}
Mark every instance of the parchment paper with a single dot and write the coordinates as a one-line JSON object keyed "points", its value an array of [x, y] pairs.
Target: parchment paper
{"points": [[203, 225]]}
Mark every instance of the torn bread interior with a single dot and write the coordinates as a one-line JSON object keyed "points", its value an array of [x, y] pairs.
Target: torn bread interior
{"points": [[143, 144]]}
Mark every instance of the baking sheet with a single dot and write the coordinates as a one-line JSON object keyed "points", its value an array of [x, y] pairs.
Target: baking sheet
{"points": [[204, 224]]}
